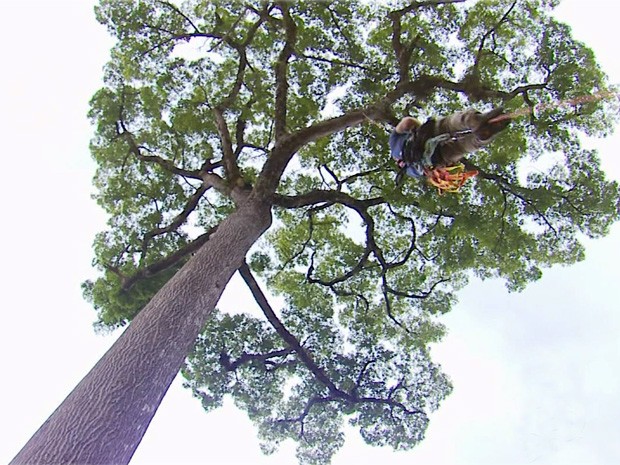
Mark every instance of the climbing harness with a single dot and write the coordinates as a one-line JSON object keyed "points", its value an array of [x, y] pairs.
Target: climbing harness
{"points": [[449, 179]]}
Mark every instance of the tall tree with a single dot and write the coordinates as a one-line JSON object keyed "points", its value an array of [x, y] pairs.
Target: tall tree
{"points": [[252, 137]]}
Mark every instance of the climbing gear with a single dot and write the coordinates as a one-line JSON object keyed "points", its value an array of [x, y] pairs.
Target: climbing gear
{"points": [[433, 142], [449, 179]]}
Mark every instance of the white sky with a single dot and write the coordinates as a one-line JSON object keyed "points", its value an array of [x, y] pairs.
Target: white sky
{"points": [[536, 374]]}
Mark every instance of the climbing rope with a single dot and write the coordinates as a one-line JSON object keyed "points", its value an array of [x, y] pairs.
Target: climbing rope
{"points": [[451, 178], [558, 104], [448, 179]]}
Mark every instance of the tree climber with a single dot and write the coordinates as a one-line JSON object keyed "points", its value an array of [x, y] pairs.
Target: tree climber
{"points": [[435, 148]]}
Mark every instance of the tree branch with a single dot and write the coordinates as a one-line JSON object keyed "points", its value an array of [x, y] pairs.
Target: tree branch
{"points": [[243, 59], [318, 196], [180, 13], [281, 98], [488, 34], [388, 303], [304, 244], [302, 416], [334, 18], [289, 144], [360, 207], [289, 339], [360, 376], [165, 263], [412, 246], [403, 53], [525, 89], [136, 150], [178, 220], [392, 403], [512, 189], [339, 279], [500, 236], [397, 46], [422, 295], [414, 5], [247, 358], [229, 159]]}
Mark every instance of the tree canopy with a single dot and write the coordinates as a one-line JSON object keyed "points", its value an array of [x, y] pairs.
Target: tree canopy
{"points": [[207, 104]]}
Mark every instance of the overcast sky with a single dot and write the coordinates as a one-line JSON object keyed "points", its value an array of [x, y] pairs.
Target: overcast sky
{"points": [[536, 374]]}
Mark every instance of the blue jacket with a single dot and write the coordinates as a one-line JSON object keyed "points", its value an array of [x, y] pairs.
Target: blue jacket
{"points": [[397, 142]]}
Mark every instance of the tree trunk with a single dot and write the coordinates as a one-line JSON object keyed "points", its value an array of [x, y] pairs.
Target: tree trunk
{"points": [[104, 418]]}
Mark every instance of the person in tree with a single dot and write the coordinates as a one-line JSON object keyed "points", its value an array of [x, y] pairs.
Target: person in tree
{"points": [[441, 143]]}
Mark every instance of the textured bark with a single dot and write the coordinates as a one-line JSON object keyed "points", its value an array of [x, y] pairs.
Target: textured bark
{"points": [[103, 419]]}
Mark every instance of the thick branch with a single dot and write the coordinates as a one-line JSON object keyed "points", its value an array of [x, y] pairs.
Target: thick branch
{"points": [[287, 146], [234, 91], [229, 159], [318, 196], [190, 206], [403, 53], [289, 339], [243, 59], [403, 65], [423, 86], [171, 260], [234, 189], [282, 85]]}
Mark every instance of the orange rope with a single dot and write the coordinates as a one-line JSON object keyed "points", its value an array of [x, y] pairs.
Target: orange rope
{"points": [[450, 178]]}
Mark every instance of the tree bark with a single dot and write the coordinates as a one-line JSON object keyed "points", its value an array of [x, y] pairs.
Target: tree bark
{"points": [[104, 418]]}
